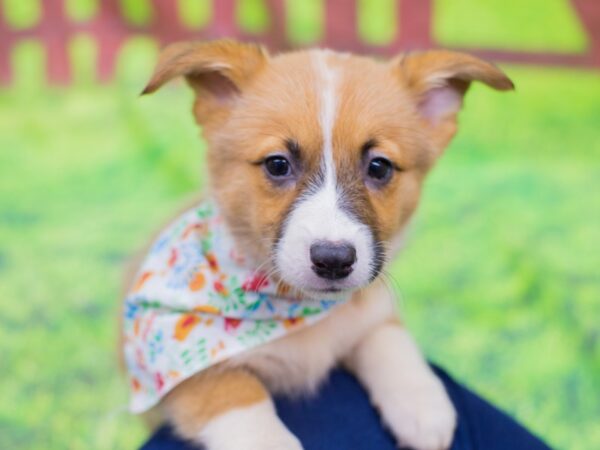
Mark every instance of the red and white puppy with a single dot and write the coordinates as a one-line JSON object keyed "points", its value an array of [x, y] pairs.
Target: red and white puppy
{"points": [[314, 147]]}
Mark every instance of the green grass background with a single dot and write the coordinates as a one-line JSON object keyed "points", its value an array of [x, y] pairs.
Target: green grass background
{"points": [[499, 282]]}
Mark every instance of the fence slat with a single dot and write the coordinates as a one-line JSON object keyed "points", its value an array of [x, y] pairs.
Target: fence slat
{"points": [[415, 19], [223, 24], [277, 34], [167, 26], [6, 44], [110, 32], [53, 30], [341, 25], [589, 14]]}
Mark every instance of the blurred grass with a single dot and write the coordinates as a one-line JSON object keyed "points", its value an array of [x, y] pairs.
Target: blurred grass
{"points": [[534, 25], [499, 281]]}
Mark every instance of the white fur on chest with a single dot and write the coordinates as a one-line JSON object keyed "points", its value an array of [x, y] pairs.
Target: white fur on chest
{"points": [[298, 362]]}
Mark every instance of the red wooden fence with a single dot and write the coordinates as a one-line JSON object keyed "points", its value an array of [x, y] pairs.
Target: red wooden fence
{"points": [[111, 30]]}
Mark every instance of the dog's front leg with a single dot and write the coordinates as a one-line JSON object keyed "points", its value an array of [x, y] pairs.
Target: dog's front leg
{"points": [[411, 399], [227, 410]]}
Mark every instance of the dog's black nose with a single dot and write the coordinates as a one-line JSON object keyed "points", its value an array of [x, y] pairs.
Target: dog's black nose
{"points": [[332, 260]]}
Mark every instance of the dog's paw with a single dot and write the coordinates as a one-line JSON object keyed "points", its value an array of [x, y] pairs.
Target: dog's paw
{"points": [[422, 418], [255, 427]]}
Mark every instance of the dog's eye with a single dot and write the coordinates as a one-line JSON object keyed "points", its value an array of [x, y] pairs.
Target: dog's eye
{"points": [[278, 166], [380, 169]]}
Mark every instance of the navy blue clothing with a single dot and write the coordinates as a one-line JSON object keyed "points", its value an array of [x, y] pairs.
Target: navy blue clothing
{"points": [[341, 417]]}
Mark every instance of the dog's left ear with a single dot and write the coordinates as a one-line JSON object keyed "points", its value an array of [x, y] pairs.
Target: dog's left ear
{"points": [[438, 81]]}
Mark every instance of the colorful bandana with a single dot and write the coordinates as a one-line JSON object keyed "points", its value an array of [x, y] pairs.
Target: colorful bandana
{"points": [[194, 304]]}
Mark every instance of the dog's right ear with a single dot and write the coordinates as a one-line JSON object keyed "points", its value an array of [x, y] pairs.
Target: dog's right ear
{"points": [[218, 71]]}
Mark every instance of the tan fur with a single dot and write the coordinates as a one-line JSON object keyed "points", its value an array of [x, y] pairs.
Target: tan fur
{"points": [[205, 396], [252, 105]]}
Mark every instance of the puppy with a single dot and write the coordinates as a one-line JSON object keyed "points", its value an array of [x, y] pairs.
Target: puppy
{"points": [[316, 161]]}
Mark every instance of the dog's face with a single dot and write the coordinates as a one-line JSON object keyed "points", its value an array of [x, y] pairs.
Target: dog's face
{"points": [[317, 158]]}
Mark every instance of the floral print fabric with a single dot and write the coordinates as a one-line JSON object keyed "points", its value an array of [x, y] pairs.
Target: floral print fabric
{"points": [[195, 303]]}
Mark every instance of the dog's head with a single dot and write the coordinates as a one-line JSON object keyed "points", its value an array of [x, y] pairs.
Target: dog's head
{"points": [[317, 158]]}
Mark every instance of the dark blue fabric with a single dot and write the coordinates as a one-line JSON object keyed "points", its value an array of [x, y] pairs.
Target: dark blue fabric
{"points": [[341, 417]]}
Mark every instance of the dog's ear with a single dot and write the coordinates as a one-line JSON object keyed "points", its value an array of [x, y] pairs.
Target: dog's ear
{"points": [[438, 81], [218, 71]]}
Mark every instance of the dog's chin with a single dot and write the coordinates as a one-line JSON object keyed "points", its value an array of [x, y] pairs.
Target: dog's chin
{"points": [[330, 290], [332, 293]]}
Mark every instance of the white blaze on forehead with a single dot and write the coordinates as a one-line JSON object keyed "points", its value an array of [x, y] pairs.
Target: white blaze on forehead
{"points": [[327, 86]]}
